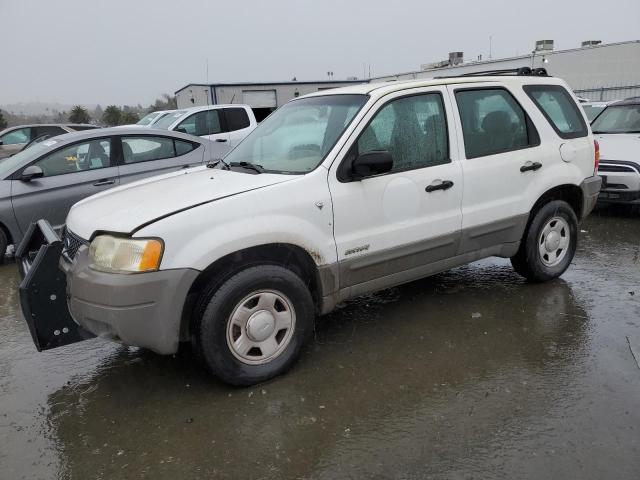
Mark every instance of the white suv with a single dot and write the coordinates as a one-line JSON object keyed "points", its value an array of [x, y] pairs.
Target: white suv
{"points": [[334, 195], [617, 130]]}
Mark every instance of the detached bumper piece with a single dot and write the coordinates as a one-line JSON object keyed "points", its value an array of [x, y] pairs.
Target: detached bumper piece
{"points": [[43, 290]]}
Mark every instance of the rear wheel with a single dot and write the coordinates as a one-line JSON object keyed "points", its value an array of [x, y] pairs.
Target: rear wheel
{"points": [[254, 325], [549, 243]]}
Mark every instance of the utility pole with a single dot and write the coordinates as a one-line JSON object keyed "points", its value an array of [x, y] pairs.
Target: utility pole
{"points": [[490, 46]]}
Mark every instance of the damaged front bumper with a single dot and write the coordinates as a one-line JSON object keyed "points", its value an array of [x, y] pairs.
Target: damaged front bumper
{"points": [[65, 301], [43, 290]]}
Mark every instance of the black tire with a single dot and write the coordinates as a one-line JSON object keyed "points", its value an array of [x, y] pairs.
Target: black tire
{"points": [[214, 315], [529, 261], [3, 245]]}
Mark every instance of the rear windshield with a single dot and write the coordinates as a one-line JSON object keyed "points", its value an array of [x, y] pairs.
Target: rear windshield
{"points": [[165, 122], [618, 119], [560, 110]]}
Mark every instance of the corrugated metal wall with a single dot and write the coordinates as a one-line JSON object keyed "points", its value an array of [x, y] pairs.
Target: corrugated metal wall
{"points": [[611, 71]]}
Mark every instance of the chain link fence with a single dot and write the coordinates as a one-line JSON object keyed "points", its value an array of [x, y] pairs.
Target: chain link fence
{"points": [[604, 94]]}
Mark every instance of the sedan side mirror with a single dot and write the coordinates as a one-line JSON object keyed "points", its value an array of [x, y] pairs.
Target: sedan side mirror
{"points": [[31, 172], [181, 130], [371, 163]]}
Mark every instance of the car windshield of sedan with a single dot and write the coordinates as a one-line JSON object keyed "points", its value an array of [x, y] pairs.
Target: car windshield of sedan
{"points": [[618, 119], [8, 165], [165, 122], [147, 119], [592, 111], [296, 138]]}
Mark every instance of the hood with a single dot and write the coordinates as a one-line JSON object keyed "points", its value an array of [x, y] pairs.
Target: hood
{"points": [[619, 146], [124, 209]]}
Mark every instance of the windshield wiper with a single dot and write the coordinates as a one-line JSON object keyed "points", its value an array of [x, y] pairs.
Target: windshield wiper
{"points": [[249, 166], [215, 162]]}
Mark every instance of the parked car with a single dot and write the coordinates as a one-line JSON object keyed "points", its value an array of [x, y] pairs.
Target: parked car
{"points": [[45, 180], [226, 124], [149, 119], [593, 109], [13, 139], [381, 185], [617, 130]]}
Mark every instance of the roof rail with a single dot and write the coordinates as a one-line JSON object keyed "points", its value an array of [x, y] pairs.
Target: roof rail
{"points": [[522, 71]]}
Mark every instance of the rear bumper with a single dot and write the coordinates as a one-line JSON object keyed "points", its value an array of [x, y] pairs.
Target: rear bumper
{"points": [[143, 310], [590, 188], [616, 196]]}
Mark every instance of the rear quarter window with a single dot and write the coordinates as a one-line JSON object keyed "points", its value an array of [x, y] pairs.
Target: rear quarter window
{"points": [[559, 109]]}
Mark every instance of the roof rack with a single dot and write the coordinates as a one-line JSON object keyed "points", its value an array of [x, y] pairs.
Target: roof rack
{"points": [[522, 71]]}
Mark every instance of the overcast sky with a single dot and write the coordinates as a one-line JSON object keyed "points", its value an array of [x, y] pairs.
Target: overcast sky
{"points": [[131, 51]]}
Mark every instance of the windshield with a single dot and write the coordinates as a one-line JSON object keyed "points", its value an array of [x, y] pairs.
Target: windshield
{"points": [[592, 111], [618, 119], [8, 165], [297, 137], [147, 119], [165, 122]]}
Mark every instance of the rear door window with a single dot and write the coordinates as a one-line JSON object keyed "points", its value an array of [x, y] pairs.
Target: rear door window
{"points": [[559, 109], [146, 148], [493, 122], [237, 118]]}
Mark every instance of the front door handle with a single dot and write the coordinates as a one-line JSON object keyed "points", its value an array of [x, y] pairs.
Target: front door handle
{"points": [[101, 183], [444, 185], [221, 140], [530, 166]]}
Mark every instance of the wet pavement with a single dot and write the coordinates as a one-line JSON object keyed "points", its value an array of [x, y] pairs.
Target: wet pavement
{"points": [[469, 374]]}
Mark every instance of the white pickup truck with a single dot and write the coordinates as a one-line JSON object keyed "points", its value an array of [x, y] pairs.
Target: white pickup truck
{"points": [[334, 195]]}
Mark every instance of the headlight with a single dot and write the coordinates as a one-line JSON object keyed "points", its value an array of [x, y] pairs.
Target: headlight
{"points": [[125, 255]]}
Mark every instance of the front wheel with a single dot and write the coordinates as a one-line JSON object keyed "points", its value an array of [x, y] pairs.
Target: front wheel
{"points": [[254, 325], [549, 243], [3, 245]]}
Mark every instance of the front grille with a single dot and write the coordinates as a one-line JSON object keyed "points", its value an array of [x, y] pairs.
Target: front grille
{"points": [[71, 243]]}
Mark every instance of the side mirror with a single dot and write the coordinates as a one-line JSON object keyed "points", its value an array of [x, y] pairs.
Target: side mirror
{"points": [[31, 172], [371, 163], [181, 130]]}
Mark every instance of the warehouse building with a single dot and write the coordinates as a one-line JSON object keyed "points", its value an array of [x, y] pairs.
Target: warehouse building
{"points": [[263, 98], [595, 71]]}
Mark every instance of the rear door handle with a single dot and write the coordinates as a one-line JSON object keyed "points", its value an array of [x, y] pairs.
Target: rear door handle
{"points": [[530, 166], [101, 183], [221, 140], [186, 166], [444, 185]]}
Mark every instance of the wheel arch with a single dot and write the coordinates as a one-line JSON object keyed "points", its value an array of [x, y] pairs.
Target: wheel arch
{"points": [[290, 256], [7, 233], [572, 194]]}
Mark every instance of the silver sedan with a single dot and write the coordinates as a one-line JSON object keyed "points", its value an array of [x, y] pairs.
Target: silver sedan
{"points": [[46, 179]]}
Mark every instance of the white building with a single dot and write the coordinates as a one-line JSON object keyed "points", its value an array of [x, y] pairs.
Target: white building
{"points": [[595, 71], [262, 97]]}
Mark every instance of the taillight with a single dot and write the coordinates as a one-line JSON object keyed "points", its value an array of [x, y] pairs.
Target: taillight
{"points": [[596, 160]]}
